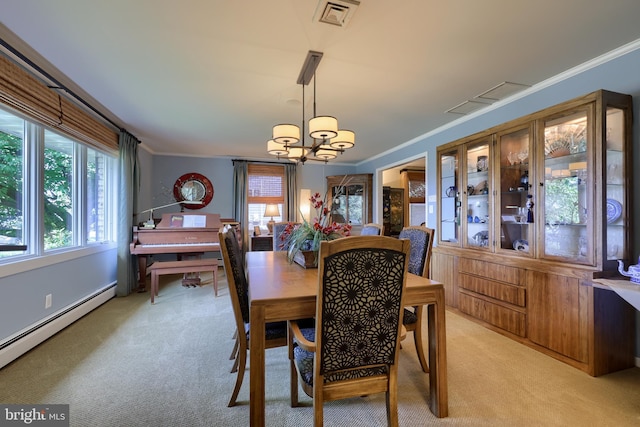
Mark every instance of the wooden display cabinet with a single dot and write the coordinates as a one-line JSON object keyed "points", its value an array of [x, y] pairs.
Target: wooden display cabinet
{"points": [[558, 216], [393, 210], [351, 197]]}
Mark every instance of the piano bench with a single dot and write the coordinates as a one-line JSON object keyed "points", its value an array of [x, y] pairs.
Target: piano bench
{"points": [[159, 268]]}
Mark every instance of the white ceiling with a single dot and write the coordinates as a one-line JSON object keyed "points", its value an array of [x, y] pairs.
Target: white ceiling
{"points": [[211, 77]]}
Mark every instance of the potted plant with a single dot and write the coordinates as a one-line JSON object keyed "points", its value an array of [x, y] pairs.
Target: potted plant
{"points": [[303, 240]]}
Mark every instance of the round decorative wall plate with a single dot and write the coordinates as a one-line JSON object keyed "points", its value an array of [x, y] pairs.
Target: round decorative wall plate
{"points": [[193, 187]]}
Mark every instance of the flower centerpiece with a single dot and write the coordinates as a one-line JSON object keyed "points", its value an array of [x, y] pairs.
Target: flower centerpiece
{"points": [[303, 240]]}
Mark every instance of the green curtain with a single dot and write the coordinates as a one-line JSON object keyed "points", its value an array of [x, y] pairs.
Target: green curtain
{"points": [[128, 187], [240, 178], [291, 195]]}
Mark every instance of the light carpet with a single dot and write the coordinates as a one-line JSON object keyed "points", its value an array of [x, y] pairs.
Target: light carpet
{"points": [[130, 363]]}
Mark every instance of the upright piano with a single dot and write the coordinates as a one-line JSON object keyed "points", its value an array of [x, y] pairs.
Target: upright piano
{"points": [[184, 234]]}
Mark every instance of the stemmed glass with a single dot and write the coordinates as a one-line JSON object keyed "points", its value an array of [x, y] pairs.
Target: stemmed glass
{"points": [[523, 154]]}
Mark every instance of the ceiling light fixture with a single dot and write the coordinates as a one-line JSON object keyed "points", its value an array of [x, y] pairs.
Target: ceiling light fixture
{"points": [[328, 140]]}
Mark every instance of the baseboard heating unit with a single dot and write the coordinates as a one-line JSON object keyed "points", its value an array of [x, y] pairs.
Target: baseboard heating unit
{"points": [[25, 340]]}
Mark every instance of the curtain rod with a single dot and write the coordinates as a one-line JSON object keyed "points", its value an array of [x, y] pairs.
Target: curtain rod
{"points": [[59, 85], [261, 161]]}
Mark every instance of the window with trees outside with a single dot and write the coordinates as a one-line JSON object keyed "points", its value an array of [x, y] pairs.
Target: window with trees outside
{"points": [[265, 185], [55, 193]]}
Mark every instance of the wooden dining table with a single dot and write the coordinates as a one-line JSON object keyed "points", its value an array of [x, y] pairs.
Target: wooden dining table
{"points": [[280, 290]]}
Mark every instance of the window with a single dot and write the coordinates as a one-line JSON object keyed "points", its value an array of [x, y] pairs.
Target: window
{"points": [[265, 185], [11, 183], [76, 196], [58, 191], [97, 201]]}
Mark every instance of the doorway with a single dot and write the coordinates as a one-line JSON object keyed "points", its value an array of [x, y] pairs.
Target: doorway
{"points": [[402, 196]]}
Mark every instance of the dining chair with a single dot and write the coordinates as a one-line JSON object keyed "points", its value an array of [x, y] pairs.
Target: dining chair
{"points": [[234, 352], [353, 349], [372, 229], [276, 333], [421, 239], [279, 240]]}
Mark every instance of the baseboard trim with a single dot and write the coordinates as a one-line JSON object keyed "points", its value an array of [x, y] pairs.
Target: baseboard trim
{"points": [[52, 325]]}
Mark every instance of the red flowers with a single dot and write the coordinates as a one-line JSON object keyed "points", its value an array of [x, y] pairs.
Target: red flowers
{"points": [[307, 236]]}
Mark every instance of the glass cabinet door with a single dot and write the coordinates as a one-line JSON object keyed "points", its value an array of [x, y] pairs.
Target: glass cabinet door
{"points": [[449, 214], [515, 195], [478, 190], [615, 185], [568, 199], [347, 204], [351, 199]]}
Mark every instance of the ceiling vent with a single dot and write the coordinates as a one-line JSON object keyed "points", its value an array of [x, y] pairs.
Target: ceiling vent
{"points": [[335, 12], [496, 93]]}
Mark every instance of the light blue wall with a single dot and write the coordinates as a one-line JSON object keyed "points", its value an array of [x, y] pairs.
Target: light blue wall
{"points": [[22, 295], [166, 169]]}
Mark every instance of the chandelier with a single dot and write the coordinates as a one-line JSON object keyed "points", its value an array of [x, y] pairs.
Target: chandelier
{"points": [[287, 141]]}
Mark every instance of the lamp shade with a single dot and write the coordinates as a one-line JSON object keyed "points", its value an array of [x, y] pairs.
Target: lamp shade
{"points": [[297, 152], [345, 139], [326, 154], [271, 210], [323, 127], [286, 134], [276, 149]]}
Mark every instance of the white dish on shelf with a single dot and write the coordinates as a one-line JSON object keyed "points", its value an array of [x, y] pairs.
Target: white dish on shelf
{"points": [[521, 245], [614, 210]]}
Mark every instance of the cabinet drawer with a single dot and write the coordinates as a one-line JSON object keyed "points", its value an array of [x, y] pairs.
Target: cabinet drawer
{"points": [[493, 271], [497, 315], [504, 292]]}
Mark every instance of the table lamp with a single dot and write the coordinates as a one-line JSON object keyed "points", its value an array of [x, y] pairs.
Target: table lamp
{"points": [[271, 211]]}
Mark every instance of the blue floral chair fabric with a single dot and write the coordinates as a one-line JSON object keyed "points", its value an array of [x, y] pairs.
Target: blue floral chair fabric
{"points": [[275, 333], [421, 239], [372, 230], [358, 323]]}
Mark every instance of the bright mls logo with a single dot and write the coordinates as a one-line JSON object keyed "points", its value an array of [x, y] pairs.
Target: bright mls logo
{"points": [[36, 415]]}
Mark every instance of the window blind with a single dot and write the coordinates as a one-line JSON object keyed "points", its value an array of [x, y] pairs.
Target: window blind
{"points": [[266, 184], [31, 98]]}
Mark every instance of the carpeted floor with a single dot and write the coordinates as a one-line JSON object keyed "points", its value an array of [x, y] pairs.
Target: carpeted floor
{"points": [[129, 363]]}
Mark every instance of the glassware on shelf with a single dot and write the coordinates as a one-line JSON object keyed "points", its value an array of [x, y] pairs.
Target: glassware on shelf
{"points": [[523, 154]]}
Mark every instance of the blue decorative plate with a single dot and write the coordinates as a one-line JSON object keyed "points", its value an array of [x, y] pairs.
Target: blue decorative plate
{"points": [[614, 210]]}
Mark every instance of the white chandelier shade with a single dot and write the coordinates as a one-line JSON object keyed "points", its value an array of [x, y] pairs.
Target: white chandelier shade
{"points": [[286, 134], [276, 149], [323, 127], [325, 154], [298, 152], [345, 139]]}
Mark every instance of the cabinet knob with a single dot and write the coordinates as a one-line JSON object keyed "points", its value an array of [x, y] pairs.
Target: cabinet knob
{"points": [[541, 184]]}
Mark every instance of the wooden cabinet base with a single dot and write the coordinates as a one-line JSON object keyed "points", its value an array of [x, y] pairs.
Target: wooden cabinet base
{"points": [[497, 315], [548, 307]]}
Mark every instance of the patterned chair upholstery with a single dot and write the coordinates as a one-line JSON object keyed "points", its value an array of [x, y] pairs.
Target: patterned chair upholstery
{"points": [[372, 229], [421, 239], [353, 350], [276, 333]]}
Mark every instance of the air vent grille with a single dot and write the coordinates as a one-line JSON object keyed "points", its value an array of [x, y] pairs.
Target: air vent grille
{"points": [[336, 12]]}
